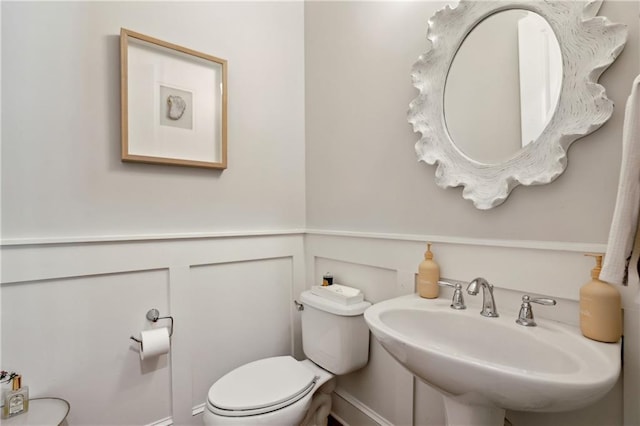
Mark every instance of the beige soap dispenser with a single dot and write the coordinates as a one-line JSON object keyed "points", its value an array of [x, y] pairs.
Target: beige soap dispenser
{"points": [[600, 308], [428, 276]]}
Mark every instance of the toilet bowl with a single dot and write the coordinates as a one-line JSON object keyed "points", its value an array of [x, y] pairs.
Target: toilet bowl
{"points": [[285, 392], [270, 391]]}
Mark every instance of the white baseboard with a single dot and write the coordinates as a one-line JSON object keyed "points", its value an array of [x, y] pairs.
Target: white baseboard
{"points": [[352, 401], [163, 422], [198, 409], [342, 421], [362, 410]]}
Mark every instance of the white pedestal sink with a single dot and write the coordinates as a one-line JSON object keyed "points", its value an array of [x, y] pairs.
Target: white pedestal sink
{"points": [[484, 366]]}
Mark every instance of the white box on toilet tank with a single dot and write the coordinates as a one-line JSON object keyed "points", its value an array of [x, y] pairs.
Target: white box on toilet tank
{"points": [[334, 335]]}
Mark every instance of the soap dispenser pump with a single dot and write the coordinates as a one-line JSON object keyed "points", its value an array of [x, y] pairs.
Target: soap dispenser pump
{"points": [[428, 276], [600, 308]]}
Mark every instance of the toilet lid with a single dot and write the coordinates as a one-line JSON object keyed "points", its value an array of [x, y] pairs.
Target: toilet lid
{"points": [[262, 385]]}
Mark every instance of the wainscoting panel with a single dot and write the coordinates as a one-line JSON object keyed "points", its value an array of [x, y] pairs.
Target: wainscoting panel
{"points": [[428, 405], [242, 312], [382, 376], [70, 338], [69, 307], [381, 372], [373, 281]]}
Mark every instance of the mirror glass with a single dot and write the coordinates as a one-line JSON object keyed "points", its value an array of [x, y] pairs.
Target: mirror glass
{"points": [[503, 85]]}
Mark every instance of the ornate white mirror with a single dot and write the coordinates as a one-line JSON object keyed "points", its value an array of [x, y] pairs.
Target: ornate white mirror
{"points": [[506, 87]]}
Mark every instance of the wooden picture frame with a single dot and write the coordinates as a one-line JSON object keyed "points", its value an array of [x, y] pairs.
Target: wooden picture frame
{"points": [[173, 104]]}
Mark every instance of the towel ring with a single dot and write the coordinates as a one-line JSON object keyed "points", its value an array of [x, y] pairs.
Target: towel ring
{"points": [[153, 315]]}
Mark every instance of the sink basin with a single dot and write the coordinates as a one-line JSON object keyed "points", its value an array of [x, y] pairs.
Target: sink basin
{"points": [[494, 362]]}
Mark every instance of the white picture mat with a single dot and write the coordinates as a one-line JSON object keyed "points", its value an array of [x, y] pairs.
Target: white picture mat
{"points": [[150, 66]]}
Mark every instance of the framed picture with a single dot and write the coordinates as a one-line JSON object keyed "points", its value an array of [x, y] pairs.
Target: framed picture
{"points": [[173, 103]]}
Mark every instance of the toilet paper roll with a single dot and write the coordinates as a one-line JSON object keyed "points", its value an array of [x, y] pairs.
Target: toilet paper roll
{"points": [[154, 342]]}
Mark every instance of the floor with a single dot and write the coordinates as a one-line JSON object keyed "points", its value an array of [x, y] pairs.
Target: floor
{"points": [[333, 422]]}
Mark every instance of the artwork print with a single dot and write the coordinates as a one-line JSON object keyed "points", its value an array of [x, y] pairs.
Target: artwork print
{"points": [[173, 103], [176, 107]]}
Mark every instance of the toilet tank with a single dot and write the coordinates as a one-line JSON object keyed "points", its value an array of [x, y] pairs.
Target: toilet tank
{"points": [[334, 335]]}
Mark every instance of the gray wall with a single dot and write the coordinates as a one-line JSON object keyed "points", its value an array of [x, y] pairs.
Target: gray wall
{"points": [[362, 172], [61, 168], [364, 185]]}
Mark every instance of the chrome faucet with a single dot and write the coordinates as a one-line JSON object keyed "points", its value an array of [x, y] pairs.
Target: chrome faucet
{"points": [[488, 303]]}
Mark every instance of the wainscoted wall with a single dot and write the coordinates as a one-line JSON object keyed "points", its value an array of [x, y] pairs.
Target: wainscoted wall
{"points": [[68, 311], [61, 169], [69, 337], [384, 266]]}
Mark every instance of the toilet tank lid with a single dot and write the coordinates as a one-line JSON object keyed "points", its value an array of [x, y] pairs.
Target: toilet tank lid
{"points": [[308, 298], [260, 384]]}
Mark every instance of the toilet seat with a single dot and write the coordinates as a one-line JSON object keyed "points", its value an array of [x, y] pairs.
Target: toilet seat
{"points": [[260, 387]]}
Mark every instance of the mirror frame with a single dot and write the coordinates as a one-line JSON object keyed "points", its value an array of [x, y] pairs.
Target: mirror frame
{"points": [[589, 44]]}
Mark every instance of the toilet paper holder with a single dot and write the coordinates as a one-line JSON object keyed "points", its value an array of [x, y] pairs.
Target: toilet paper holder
{"points": [[153, 315]]}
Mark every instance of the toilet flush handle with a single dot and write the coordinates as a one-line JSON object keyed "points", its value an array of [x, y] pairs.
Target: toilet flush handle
{"points": [[299, 305]]}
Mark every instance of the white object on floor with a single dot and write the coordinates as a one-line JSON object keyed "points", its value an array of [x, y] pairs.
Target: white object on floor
{"points": [[625, 216]]}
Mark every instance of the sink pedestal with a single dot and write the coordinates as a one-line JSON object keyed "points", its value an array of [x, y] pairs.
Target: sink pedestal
{"points": [[458, 414]]}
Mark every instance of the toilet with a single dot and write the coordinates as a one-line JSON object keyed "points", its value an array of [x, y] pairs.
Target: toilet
{"points": [[285, 392]]}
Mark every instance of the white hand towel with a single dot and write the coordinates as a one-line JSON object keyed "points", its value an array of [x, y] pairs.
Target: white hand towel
{"points": [[625, 215]]}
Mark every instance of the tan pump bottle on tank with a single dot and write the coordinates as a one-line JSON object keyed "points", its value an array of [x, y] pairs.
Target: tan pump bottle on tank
{"points": [[600, 308], [428, 276]]}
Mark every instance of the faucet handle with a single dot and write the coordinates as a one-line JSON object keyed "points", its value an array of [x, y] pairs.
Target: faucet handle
{"points": [[457, 302], [525, 317], [540, 300]]}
